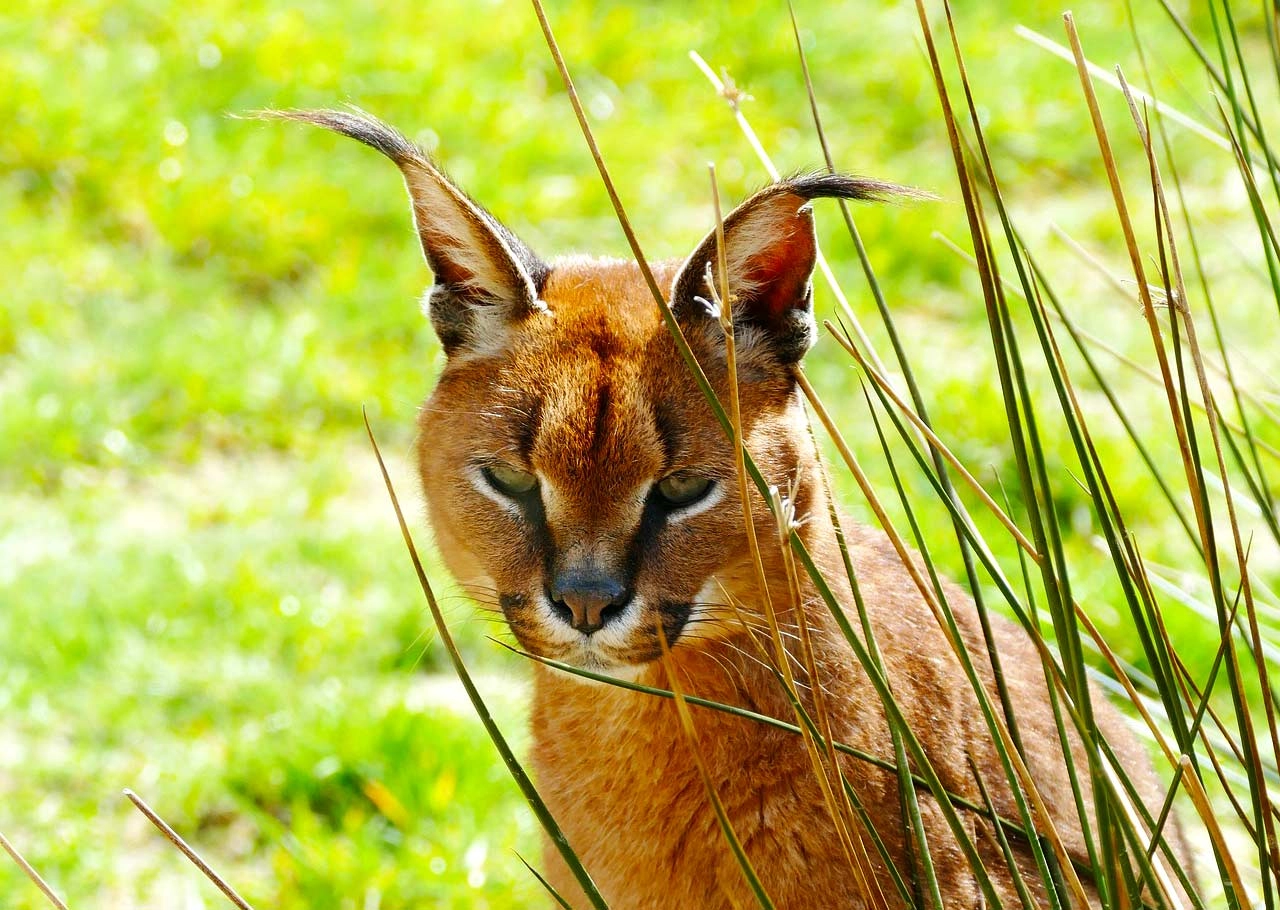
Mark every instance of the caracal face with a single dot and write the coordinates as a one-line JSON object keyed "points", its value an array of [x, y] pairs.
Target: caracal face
{"points": [[578, 480], [575, 475]]}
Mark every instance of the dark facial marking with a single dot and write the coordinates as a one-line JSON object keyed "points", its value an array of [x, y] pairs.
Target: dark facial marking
{"points": [[644, 543], [600, 430], [674, 618], [514, 612], [668, 429], [534, 518], [605, 346], [529, 427]]}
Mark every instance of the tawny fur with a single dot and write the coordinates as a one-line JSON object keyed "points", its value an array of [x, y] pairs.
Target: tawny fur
{"points": [[613, 765], [567, 373]]}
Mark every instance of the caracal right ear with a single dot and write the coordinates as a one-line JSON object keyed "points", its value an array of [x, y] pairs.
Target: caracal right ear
{"points": [[486, 279], [770, 249]]}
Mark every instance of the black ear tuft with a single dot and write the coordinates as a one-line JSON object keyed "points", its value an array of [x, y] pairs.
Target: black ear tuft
{"points": [[770, 249], [825, 185], [357, 125], [485, 278]]}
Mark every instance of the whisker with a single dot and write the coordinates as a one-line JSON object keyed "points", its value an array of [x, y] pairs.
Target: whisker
{"points": [[729, 670], [784, 630]]}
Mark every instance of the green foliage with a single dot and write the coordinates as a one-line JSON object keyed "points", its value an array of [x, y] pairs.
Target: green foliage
{"points": [[202, 593]]}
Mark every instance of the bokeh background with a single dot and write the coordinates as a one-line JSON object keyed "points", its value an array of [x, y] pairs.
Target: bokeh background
{"points": [[203, 596]]}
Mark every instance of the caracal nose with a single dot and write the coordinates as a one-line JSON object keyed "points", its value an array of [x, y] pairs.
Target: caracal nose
{"points": [[587, 601]]}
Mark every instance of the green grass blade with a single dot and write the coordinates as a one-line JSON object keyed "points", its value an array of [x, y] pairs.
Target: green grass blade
{"points": [[910, 805], [1212, 71], [726, 826], [546, 885], [1247, 83], [926, 859], [908, 375], [1019, 883], [522, 779]]}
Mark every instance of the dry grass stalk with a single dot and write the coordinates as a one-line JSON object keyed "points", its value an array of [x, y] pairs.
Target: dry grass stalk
{"points": [[187, 851], [957, 647], [731, 94], [1183, 311], [686, 724], [1201, 801], [1178, 395], [722, 300], [522, 779], [721, 303], [31, 873], [1144, 293]]}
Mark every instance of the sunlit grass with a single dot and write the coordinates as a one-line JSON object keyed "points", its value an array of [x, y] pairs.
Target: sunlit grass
{"points": [[202, 594]]}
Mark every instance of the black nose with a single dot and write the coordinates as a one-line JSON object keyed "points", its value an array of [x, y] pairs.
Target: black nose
{"points": [[587, 600]]}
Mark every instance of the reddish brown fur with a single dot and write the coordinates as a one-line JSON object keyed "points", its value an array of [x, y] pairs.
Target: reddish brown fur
{"points": [[583, 390], [613, 765]]}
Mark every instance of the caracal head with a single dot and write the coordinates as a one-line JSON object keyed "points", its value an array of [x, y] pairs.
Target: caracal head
{"points": [[575, 475]]}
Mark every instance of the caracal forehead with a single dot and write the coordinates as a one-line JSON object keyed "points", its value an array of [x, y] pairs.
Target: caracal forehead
{"points": [[612, 292], [596, 428]]}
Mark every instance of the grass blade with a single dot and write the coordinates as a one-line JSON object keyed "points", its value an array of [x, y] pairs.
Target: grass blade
{"points": [[187, 851], [509, 759], [726, 826], [1175, 115], [733, 97], [31, 873], [546, 885], [722, 303], [1201, 801]]}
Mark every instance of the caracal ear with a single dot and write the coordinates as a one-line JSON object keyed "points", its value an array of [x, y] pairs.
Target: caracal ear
{"points": [[485, 278], [770, 249]]}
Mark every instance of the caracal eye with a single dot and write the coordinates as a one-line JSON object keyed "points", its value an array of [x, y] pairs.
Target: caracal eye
{"points": [[683, 488], [509, 480]]}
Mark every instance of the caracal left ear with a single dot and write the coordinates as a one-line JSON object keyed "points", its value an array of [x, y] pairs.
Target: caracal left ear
{"points": [[486, 279], [770, 250]]}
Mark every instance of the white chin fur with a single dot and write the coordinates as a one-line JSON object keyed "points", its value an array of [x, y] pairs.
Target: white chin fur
{"points": [[633, 673]]}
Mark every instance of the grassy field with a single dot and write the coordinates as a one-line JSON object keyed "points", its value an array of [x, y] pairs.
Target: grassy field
{"points": [[202, 592]]}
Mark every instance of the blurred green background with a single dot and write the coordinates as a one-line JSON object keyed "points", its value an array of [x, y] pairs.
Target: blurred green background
{"points": [[202, 592]]}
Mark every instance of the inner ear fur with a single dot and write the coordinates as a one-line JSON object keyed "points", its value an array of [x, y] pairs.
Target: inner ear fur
{"points": [[485, 277], [770, 250]]}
